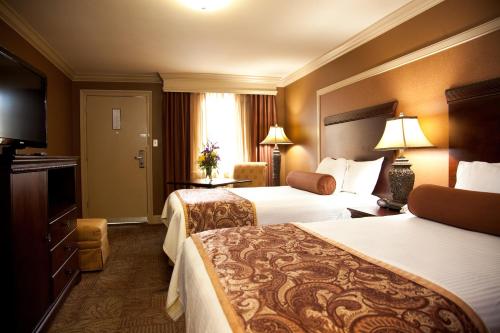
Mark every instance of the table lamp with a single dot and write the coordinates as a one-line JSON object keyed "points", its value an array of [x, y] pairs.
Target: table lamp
{"points": [[400, 133], [276, 136]]}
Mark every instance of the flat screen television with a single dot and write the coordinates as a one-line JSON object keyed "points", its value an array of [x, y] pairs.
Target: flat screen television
{"points": [[23, 92]]}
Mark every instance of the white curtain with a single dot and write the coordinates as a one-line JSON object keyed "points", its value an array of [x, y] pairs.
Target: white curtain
{"points": [[222, 118]]}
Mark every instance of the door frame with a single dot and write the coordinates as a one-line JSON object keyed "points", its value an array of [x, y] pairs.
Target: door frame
{"points": [[84, 93]]}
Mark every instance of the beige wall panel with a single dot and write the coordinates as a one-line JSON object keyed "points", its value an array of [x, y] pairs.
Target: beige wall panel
{"points": [[419, 87]]}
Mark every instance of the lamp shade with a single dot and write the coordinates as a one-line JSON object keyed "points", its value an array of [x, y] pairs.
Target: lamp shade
{"points": [[276, 136], [402, 132]]}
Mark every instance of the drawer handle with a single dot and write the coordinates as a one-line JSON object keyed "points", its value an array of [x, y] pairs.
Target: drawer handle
{"points": [[48, 238], [68, 271], [68, 248], [68, 223]]}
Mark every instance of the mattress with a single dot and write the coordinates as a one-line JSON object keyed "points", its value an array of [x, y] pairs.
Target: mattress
{"points": [[280, 204], [465, 263]]}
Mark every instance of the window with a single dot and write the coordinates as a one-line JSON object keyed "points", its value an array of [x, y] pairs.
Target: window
{"points": [[219, 118]]}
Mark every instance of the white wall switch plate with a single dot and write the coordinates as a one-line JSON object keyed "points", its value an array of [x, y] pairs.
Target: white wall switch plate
{"points": [[155, 142]]}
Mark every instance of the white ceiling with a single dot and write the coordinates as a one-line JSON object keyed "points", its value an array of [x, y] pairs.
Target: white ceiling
{"points": [[271, 38]]}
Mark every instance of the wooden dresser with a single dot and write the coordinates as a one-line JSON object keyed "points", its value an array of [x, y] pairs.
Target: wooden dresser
{"points": [[38, 214]]}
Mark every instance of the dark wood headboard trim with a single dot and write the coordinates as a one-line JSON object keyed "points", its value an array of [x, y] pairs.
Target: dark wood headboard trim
{"points": [[385, 109], [474, 122], [474, 90], [354, 134]]}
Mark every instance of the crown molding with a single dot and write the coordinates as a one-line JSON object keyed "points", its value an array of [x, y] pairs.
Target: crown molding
{"points": [[387, 23], [443, 45], [238, 84], [243, 83], [137, 78], [23, 28]]}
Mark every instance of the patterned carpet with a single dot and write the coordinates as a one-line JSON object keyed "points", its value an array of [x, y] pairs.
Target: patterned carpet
{"points": [[129, 294]]}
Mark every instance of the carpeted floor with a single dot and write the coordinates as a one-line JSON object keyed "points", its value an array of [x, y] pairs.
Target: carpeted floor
{"points": [[129, 294]]}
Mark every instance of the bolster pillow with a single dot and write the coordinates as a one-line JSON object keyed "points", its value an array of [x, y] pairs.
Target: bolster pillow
{"points": [[471, 210], [313, 182]]}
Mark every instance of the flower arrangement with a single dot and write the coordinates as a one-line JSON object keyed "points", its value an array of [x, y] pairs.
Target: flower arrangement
{"points": [[209, 158]]}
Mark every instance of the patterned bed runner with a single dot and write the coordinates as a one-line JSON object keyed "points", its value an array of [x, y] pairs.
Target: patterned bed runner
{"points": [[207, 209], [281, 278]]}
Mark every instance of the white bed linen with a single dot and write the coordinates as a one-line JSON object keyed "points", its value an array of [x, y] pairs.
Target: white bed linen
{"points": [[279, 204], [463, 262]]}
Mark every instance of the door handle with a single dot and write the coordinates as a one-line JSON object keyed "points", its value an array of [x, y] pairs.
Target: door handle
{"points": [[140, 158]]}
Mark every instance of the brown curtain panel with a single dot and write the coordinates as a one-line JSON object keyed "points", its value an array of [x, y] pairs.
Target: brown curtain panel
{"points": [[263, 109], [176, 129]]}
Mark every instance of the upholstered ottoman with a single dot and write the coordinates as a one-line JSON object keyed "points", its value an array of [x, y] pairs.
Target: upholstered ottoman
{"points": [[93, 243]]}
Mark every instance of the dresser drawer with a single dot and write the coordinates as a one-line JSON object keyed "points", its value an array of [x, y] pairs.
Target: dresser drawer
{"points": [[63, 250], [65, 274], [62, 226]]}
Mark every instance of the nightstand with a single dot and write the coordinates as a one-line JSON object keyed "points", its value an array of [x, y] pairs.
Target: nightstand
{"points": [[373, 212]]}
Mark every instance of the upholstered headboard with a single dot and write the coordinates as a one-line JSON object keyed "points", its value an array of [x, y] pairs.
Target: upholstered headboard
{"points": [[354, 134], [474, 116]]}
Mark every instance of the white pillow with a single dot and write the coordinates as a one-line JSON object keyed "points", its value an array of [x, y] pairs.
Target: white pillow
{"points": [[361, 177], [478, 176], [334, 167]]}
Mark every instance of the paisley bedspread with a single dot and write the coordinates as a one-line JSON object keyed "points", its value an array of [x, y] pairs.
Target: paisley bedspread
{"points": [[282, 278], [207, 209]]}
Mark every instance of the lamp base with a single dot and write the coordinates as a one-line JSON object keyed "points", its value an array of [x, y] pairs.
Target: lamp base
{"points": [[389, 204], [401, 179], [276, 166]]}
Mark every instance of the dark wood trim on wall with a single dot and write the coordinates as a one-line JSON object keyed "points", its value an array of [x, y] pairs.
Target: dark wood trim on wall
{"points": [[386, 109], [474, 90]]}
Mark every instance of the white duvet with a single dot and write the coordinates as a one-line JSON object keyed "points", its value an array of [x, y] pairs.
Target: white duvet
{"points": [[465, 263], [274, 205]]}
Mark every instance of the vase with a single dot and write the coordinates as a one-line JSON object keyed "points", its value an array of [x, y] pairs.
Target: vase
{"points": [[208, 173]]}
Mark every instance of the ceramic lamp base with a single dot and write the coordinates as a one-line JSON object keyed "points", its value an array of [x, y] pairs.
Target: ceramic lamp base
{"points": [[276, 166], [401, 179]]}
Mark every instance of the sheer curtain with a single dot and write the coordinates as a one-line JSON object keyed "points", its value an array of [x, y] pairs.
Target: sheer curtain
{"points": [[225, 119]]}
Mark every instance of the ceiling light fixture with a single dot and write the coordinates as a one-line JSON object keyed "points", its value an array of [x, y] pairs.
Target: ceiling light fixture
{"points": [[206, 5]]}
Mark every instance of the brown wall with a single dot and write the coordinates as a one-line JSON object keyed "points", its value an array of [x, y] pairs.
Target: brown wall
{"points": [[63, 107], [59, 136], [156, 131], [419, 87]]}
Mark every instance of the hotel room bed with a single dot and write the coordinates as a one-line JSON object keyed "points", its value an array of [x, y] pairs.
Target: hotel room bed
{"points": [[461, 265], [465, 263], [352, 135], [273, 205]]}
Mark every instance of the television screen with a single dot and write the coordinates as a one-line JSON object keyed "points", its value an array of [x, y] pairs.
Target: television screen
{"points": [[22, 103]]}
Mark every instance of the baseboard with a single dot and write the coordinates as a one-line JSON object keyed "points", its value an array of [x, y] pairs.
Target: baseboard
{"points": [[155, 219], [127, 220]]}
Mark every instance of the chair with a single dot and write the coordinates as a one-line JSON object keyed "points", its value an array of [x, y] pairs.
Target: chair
{"points": [[93, 243], [256, 171]]}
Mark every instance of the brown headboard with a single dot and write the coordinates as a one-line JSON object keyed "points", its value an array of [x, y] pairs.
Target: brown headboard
{"points": [[354, 134], [474, 116]]}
